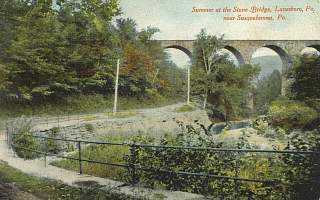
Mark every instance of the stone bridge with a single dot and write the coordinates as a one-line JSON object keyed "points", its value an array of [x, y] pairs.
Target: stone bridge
{"points": [[244, 49]]}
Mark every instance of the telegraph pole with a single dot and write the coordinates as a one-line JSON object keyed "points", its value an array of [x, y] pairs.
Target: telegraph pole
{"points": [[116, 88], [188, 94]]}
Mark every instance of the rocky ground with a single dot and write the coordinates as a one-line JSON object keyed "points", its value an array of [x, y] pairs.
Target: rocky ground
{"points": [[153, 122], [156, 121]]}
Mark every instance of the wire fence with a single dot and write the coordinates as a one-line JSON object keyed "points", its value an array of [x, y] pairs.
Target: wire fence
{"points": [[134, 165]]}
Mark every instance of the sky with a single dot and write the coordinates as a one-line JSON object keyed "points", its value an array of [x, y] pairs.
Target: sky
{"points": [[176, 21]]}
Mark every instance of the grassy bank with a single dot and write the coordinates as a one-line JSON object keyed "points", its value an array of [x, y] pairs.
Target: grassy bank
{"points": [[82, 104], [51, 189], [102, 153]]}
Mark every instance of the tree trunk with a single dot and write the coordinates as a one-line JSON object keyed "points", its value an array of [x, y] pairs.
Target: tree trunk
{"points": [[205, 100]]}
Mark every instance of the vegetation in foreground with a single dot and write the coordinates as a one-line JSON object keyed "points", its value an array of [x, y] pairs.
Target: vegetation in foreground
{"points": [[50, 189], [292, 174]]}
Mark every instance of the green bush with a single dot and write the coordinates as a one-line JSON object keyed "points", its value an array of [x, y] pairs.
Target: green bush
{"points": [[261, 125], [53, 146], [20, 131], [263, 128], [291, 114]]}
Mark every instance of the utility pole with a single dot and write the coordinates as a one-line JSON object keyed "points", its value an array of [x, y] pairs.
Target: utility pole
{"points": [[188, 94], [116, 88]]}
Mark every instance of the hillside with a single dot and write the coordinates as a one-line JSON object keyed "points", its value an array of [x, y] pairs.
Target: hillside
{"points": [[268, 64]]}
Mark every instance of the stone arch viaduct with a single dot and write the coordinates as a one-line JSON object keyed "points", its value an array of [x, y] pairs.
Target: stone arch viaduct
{"points": [[244, 49]]}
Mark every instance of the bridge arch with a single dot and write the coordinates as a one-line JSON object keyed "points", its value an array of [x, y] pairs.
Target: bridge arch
{"points": [[284, 56], [181, 48], [286, 63], [236, 53], [316, 47]]}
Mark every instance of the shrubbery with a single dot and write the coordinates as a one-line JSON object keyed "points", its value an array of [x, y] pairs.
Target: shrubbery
{"points": [[263, 128], [290, 172], [290, 114], [20, 132], [25, 145], [159, 161], [50, 145], [303, 171]]}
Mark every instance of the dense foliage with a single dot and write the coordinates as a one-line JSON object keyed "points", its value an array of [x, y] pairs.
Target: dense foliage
{"points": [[303, 171], [70, 48], [290, 114], [300, 110], [306, 77], [292, 175]]}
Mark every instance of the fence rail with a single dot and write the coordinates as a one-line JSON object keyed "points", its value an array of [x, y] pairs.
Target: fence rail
{"points": [[135, 166]]}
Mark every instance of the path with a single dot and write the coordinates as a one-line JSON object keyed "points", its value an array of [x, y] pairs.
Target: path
{"points": [[9, 191]]}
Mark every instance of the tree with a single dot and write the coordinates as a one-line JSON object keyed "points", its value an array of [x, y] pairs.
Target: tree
{"points": [[10, 12], [62, 50], [93, 43], [36, 57], [267, 90], [206, 55], [306, 78], [225, 85], [127, 31], [136, 73]]}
